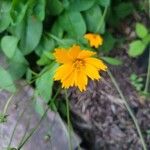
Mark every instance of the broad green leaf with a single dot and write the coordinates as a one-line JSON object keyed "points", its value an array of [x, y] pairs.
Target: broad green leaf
{"points": [[141, 30], [57, 30], [6, 81], [46, 44], [112, 61], [54, 7], [73, 23], [17, 30], [146, 39], [93, 18], [45, 81], [17, 70], [133, 77], [124, 9], [9, 45], [4, 15], [17, 65], [28, 75], [31, 34], [18, 10], [39, 9], [45, 59], [109, 42], [81, 5], [136, 48], [103, 3], [39, 105]]}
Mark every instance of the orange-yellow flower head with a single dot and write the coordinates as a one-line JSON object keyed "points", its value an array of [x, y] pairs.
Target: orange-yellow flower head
{"points": [[76, 66], [95, 40]]}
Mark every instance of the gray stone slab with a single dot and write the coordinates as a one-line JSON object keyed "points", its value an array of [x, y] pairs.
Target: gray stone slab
{"points": [[51, 134]]}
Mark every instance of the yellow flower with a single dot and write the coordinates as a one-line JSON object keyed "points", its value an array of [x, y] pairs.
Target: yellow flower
{"points": [[95, 40], [76, 66]]}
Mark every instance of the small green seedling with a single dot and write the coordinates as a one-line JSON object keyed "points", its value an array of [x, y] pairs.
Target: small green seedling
{"points": [[138, 46], [3, 118], [136, 81]]}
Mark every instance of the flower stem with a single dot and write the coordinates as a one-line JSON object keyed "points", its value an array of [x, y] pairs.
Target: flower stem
{"points": [[102, 19], [7, 104], [148, 75], [129, 109], [56, 38], [68, 119], [20, 116], [33, 131], [36, 127]]}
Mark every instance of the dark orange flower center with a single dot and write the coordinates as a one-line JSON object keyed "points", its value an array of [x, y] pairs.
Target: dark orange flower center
{"points": [[78, 64]]}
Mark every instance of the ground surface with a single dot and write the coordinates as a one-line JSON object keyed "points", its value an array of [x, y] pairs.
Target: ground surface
{"points": [[100, 117]]}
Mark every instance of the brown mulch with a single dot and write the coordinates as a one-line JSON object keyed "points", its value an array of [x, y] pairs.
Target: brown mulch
{"points": [[99, 115]]}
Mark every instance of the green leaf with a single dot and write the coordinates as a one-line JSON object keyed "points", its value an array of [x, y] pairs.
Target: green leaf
{"points": [[57, 30], [124, 9], [39, 9], [28, 74], [93, 17], [46, 58], [81, 5], [4, 15], [30, 35], [44, 83], [136, 48], [18, 10], [133, 77], [54, 7], [141, 30], [140, 79], [146, 39], [39, 105], [73, 23], [46, 44], [6, 81], [17, 65], [9, 45], [109, 42], [112, 61], [104, 3]]}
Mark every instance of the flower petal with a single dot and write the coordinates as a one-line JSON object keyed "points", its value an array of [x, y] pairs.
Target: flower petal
{"points": [[61, 55], [74, 51], [68, 81], [92, 72], [63, 71], [85, 54], [81, 80], [97, 63], [95, 40]]}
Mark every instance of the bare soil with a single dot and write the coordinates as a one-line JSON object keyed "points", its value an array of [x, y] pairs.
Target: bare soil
{"points": [[99, 115]]}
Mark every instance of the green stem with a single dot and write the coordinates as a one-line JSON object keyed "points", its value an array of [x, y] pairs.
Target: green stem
{"points": [[7, 104], [68, 119], [56, 38], [129, 110], [102, 19], [148, 75], [33, 131], [16, 127], [25, 133]]}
